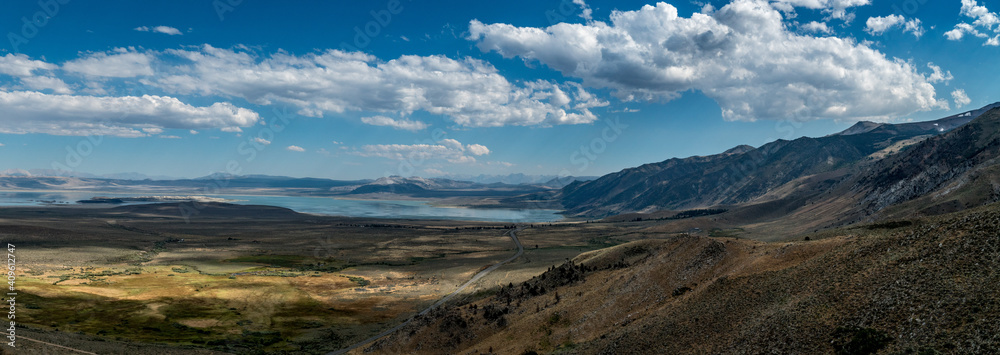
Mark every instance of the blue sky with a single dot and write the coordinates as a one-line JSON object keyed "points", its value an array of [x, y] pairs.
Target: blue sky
{"points": [[188, 88]]}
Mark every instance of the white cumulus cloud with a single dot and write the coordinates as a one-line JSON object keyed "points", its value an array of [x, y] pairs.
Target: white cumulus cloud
{"points": [[46, 82], [449, 150], [914, 26], [33, 74], [21, 65], [742, 55], [295, 148], [938, 75], [816, 27], [468, 91], [834, 8], [126, 116], [585, 11], [983, 21], [397, 124], [119, 63], [478, 149], [960, 98], [159, 29], [879, 24]]}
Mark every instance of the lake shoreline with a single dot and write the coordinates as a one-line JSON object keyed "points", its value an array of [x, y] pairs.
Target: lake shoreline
{"points": [[313, 205]]}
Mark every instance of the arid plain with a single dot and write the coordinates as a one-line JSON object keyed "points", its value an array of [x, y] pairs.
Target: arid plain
{"points": [[257, 278]]}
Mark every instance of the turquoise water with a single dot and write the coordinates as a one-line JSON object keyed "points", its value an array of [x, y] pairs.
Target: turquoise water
{"points": [[314, 205]]}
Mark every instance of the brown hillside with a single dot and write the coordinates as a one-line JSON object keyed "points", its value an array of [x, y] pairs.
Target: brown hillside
{"points": [[902, 287]]}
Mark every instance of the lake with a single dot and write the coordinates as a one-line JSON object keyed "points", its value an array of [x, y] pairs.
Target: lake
{"points": [[391, 209]]}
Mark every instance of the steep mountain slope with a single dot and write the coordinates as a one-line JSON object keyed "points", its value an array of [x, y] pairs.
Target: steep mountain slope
{"points": [[947, 173], [743, 174], [924, 286], [952, 160], [727, 178]]}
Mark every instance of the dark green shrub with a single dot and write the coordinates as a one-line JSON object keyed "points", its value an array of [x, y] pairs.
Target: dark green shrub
{"points": [[853, 340]]}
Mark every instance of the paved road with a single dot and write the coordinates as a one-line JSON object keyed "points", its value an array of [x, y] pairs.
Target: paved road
{"points": [[481, 274]]}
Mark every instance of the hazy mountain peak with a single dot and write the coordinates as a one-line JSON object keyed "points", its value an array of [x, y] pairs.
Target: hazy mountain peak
{"points": [[15, 172], [76, 174], [858, 128], [740, 149], [396, 179]]}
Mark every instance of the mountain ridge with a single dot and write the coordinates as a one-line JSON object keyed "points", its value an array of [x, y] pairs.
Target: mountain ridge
{"points": [[741, 175]]}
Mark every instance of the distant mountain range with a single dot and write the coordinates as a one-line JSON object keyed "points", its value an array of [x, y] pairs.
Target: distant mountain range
{"points": [[519, 178], [880, 157], [425, 187], [64, 173], [211, 184], [385, 187]]}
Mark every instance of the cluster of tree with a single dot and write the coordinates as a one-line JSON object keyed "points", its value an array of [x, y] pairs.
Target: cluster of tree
{"points": [[685, 214], [565, 274]]}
